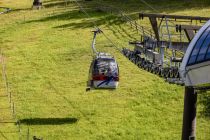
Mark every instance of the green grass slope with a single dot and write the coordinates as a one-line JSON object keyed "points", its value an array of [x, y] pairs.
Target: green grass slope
{"points": [[47, 54]]}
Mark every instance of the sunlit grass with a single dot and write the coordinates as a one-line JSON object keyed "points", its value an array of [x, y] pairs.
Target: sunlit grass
{"points": [[48, 56]]}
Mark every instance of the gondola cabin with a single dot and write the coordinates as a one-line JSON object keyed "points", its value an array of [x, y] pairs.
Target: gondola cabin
{"points": [[195, 68], [104, 71]]}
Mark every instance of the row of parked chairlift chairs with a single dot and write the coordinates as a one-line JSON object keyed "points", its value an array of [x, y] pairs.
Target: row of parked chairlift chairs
{"points": [[166, 72]]}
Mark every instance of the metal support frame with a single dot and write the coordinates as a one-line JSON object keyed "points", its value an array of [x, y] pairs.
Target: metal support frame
{"points": [[94, 43], [169, 39], [189, 116], [154, 24], [190, 34], [175, 17], [162, 51], [188, 29]]}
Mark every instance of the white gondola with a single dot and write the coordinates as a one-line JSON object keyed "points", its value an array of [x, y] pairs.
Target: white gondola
{"points": [[195, 67], [104, 71]]}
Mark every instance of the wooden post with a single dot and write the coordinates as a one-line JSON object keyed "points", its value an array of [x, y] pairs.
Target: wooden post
{"points": [[19, 131], [13, 109], [10, 97], [136, 26], [28, 134], [189, 117]]}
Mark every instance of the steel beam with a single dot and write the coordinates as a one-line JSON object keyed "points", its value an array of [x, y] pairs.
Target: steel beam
{"points": [[154, 24], [190, 34], [142, 15], [189, 117], [187, 27]]}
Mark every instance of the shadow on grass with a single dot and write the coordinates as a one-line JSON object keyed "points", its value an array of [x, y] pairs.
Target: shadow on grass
{"points": [[54, 3], [69, 15], [159, 5], [58, 3], [205, 101], [48, 121], [100, 18], [24, 9], [86, 23]]}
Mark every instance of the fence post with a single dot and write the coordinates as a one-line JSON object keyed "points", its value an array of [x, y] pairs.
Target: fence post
{"points": [[28, 134], [10, 97], [136, 26], [19, 131], [143, 31], [65, 4], [13, 109], [130, 23]]}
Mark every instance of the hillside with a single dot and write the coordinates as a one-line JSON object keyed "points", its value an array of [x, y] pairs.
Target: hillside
{"points": [[47, 56]]}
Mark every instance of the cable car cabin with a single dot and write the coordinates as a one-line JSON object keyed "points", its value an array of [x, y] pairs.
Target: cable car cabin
{"points": [[195, 68], [104, 72]]}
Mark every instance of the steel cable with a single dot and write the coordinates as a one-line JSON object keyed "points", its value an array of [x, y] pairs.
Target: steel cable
{"points": [[96, 26]]}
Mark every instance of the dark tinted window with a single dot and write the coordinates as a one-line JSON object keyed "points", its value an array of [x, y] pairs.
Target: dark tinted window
{"points": [[106, 67], [204, 48], [200, 48], [208, 53]]}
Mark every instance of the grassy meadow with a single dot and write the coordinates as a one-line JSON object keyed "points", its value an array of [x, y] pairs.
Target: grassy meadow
{"points": [[47, 54]]}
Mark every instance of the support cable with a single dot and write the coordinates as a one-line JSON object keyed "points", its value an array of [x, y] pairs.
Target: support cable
{"points": [[95, 25]]}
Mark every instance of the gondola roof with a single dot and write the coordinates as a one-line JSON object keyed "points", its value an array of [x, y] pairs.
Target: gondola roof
{"points": [[195, 66]]}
